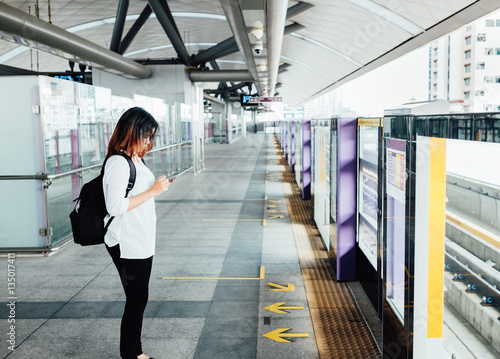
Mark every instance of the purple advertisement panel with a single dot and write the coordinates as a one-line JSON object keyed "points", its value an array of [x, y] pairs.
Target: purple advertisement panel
{"points": [[395, 189], [346, 198], [292, 147], [306, 160]]}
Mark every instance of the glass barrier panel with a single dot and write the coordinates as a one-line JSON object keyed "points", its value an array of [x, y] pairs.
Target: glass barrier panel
{"points": [[169, 158], [159, 164], [104, 118], [160, 113], [187, 156], [21, 223], [89, 127], [59, 205], [60, 123]]}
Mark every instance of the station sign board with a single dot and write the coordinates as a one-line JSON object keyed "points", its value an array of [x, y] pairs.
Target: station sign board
{"points": [[264, 99]]}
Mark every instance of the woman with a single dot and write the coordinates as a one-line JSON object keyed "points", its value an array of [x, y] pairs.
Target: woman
{"points": [[130, 239]]}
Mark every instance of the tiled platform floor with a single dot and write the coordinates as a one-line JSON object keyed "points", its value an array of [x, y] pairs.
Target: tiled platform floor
{"points": [[223, 236]]}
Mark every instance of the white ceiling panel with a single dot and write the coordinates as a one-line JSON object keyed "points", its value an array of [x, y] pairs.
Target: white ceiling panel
{"points": [[425, 13], [341, 39]]}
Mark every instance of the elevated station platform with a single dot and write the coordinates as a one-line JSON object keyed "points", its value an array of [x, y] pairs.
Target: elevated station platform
{"points": [[239, 272]]}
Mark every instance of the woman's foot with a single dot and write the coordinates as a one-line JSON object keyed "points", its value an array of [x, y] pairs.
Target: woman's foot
{"points": [[144, 356]]}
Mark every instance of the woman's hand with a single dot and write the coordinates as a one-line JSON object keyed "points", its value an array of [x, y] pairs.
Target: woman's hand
{"points": [[160, 186]]}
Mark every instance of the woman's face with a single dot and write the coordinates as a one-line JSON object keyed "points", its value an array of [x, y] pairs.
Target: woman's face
{"points": [[147, 141]]}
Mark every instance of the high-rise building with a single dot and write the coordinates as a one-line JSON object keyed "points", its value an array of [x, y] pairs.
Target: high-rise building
{"points": [[464, 66]]}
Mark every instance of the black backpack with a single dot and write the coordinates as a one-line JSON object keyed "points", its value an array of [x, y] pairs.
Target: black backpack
{"points": [[87, 218]]}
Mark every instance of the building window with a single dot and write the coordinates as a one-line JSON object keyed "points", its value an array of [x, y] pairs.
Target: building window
{"points": [[468, 40], [435, 75], [467, 54], [498, 22], [488, 79], [497, 80], [481, 37], [497, 51], [435, 87], [480, 66], [469, 27], [488, 107], [466, 95], [466, 108], [434, 97], [435, 63], [479, 93], [467, 81], [490, 22], [488, 51], [467, 68], [435, 51]]}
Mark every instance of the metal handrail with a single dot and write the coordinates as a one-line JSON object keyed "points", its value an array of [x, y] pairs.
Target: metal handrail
{"points": [[46, 176]]}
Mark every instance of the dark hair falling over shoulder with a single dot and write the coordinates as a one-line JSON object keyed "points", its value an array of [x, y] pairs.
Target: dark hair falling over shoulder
{"points": [[132, 129]]}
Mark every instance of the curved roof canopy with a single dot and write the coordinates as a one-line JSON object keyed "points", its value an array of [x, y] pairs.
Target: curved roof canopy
{"points": [[294, 49]]}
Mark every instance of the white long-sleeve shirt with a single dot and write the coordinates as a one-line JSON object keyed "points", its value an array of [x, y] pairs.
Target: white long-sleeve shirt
{"points": [[135, 230]]}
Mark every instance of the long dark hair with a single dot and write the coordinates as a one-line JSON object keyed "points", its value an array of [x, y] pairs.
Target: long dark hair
{"points": [[133, 127]]}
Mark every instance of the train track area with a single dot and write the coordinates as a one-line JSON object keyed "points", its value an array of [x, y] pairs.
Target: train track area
{"points": [[472, 278]]}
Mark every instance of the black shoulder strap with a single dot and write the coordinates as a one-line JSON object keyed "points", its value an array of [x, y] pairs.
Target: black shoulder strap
{"points": [[131, 179]]}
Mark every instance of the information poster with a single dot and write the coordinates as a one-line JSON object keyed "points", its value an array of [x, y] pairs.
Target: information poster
{"points": [[395, 188], [368, 192]]}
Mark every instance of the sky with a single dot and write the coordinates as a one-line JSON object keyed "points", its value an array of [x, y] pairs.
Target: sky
{"points": [[389, 85]]}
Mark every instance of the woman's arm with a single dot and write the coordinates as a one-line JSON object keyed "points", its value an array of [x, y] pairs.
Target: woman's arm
{"points": [[160, 186]]}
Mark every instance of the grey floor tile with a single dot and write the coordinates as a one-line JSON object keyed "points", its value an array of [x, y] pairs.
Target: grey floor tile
{"points": [[236, 293], [226, 348]]}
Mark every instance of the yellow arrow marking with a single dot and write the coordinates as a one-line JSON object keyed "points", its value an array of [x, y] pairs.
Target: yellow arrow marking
{"points": [[261, 276], [282, 288], [276, 211], [280, 308], [279, 334], [275, 201], [276, 216]]}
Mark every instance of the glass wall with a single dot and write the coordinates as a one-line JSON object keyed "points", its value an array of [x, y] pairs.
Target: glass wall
{"points": [[77, 121]]}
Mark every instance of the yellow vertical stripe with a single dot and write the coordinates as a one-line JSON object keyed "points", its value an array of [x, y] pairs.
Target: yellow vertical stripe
{"points": [[437, 186]]}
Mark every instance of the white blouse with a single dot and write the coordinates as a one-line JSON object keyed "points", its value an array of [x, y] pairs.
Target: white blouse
{"points": [[134, 231]]}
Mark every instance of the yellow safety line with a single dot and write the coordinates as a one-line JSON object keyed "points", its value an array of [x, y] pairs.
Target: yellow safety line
{"points": [[232, 220], [261, 276], [242, 199], [489, 237]]}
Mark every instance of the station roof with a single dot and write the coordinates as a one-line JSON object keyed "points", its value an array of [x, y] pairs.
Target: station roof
{"points": [[297, 50]]}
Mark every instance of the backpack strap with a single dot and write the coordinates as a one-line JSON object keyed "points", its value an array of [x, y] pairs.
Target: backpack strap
{"points": [[131, 180]]}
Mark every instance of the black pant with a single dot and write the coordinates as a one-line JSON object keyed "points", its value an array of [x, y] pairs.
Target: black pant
{"points": [[134, 274]]}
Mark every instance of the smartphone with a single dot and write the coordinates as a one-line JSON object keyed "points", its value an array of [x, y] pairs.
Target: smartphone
{"points": [[172, 179]]}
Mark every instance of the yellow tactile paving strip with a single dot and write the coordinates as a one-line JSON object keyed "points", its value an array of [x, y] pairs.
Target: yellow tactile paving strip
{"points": [[338, 325]]}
